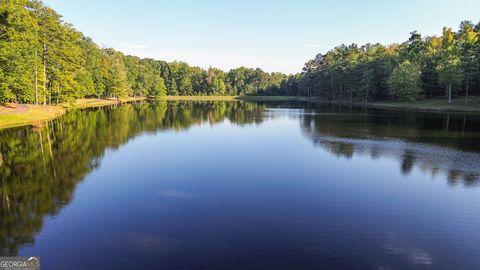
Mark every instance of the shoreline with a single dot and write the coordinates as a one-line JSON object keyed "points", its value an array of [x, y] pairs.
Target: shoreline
{"points": [[427, 105], [230, 98], [15, 115], [12, 116]]}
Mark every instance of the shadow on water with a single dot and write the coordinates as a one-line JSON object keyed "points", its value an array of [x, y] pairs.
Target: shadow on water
{"points": [[40, 168]]}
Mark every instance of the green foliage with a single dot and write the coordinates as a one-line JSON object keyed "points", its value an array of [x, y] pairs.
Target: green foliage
{"points": [[365, 72], [449, 67], [18, 59], [90, 77], [450, 63], [116, 84], [404, 82], [468, 41], [45, 60]]}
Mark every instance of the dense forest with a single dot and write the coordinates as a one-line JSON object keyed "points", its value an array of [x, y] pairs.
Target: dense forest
{"points": [[422, 66], [44, 60]]}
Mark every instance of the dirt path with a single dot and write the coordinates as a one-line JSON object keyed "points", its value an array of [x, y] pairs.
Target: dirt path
{"points": [[19, 108]]}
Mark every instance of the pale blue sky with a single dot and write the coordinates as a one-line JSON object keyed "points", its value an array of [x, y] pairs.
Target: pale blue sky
{"points": [[274, 35]]}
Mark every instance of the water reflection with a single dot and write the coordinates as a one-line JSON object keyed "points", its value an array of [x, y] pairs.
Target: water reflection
{"points": [[40, 167], [438, 143]]}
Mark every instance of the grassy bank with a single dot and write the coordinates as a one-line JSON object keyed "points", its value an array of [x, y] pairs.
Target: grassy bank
{"points": [[457, 105], [201, 98], [95, 102], [12, 115], [266, 98], [30, 115], [437, 104]]}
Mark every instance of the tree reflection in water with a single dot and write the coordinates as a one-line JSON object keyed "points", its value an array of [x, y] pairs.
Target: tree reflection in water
{"points": [[40, 167], [433, 142]]}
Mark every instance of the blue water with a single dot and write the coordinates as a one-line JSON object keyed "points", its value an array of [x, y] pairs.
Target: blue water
{"points": [[247, 186]]}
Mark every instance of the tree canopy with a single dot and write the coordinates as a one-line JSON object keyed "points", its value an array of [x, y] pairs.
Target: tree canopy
{"points": [[46, 60], [404, 82], [447, 65]]}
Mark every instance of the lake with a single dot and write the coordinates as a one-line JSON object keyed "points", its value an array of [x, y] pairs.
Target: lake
{"points": [[243, 185]]}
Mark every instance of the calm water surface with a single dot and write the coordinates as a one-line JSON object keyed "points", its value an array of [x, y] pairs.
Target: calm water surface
{"points": [[233, 185]]}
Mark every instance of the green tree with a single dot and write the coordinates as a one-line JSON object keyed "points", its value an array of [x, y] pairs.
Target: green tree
{"points": [[468, 43], [415, 48], [18, 54], [404, 82], [116, 84], [449, 67], [430, 75], [216, 82]]}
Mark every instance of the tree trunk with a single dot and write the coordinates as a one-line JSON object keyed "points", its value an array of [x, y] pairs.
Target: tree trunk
{"points": [[450, 92], [36, 80], [44, 74], [351, 96], [466, 91]]}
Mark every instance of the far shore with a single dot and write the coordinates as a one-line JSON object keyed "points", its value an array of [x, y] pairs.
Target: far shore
{"points": [[231, 98], [432, 105], [12, 115]]}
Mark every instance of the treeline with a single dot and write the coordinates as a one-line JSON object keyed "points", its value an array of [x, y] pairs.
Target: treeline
{"points": [[430, 66], [45, 60]]}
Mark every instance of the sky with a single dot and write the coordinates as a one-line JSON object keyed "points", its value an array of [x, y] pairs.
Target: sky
{"points": [[275, 35]]}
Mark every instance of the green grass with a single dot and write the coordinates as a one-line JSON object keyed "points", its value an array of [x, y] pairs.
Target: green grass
{"points": [[95, 102], [37, 114], [34, 115]]}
